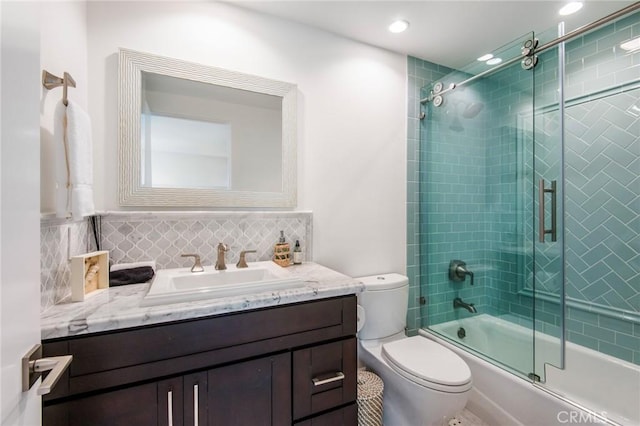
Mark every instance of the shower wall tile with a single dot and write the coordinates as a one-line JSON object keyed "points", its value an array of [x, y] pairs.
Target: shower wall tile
{"points": [[420, 73], [163, 236]]}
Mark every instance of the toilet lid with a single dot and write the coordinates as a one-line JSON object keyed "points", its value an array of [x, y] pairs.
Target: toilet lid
{"points": [[427, 360]]}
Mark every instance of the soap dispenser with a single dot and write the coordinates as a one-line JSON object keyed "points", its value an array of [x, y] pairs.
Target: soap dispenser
{"points": [[282, 252]]}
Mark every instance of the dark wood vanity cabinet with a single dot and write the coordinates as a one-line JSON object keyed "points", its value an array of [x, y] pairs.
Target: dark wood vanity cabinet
{"points": [[293, 364]]}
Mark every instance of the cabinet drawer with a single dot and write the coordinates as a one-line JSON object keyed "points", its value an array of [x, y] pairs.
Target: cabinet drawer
{"points": [[345, 416], [324, 377]]}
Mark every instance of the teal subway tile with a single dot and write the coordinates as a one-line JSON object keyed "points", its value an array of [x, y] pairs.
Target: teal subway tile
{"points": [[628, 341], [599, 333], [582, 340], [615, 324], [616, 351]]}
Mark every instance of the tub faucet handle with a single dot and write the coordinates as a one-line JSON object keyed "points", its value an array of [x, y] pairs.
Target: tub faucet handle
{"points": [[458, 271]]}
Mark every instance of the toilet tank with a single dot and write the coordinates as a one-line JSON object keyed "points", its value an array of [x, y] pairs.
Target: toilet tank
{"points": [[385, 301]]}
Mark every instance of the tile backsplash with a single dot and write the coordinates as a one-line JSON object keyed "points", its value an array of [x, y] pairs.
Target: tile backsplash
{"points": [[163, 237]]}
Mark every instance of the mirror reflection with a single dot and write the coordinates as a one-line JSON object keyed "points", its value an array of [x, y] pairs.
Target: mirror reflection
{"points": [[198, 135]]}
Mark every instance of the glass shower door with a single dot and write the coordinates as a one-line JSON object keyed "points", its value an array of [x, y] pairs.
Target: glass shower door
{"points": [[476, 189]]}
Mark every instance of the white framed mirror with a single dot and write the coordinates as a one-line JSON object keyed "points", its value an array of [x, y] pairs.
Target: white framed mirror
{"points": [[192, 135]]}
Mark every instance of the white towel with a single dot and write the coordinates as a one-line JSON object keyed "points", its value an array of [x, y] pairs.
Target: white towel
{"points": [[74, 162]]}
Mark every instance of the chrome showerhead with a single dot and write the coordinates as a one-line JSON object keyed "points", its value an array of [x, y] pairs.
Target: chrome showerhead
{"points": [[472, 109]]}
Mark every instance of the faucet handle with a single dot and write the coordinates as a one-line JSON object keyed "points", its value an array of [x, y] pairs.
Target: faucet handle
{"points": [[197, 266], [242, 263]]}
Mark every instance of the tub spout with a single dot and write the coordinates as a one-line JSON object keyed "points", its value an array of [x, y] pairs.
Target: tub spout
{"points": [[458, 303]]}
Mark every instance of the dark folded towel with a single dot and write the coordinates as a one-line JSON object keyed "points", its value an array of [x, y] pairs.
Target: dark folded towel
{"points": [[138, 275]]}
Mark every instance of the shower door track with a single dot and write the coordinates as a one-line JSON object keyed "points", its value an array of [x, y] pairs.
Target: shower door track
{"points": [[579, 31]]}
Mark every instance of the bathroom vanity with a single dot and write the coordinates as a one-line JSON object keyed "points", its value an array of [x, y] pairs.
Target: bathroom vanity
{"points": [[276, 359]]}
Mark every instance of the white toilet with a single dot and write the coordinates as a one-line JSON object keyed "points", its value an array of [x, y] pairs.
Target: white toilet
{"points": [[424, 382]]}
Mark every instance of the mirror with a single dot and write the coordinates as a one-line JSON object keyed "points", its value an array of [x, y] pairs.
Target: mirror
{"points": [[191, 135]]}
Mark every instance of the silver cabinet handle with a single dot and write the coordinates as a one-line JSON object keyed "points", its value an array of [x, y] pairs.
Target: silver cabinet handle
{"points": [[195, 405], [33, 365], [338, 376], [541, 210], [170, 407]]}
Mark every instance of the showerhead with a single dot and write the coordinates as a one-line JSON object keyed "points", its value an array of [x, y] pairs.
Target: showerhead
{"points": [[472, 109]]}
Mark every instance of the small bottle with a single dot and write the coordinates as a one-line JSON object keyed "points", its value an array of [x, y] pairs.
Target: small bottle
{"points": [[297, 253]]}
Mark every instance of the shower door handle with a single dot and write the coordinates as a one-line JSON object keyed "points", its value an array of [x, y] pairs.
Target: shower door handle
{"points": [[542, 191]]}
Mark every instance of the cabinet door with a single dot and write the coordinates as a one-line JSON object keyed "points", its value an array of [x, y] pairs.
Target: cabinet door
{"points": [[255, 393], [132, 406]]}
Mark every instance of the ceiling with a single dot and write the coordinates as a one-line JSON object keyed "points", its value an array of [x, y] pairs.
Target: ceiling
{"points": [[451, 33]]}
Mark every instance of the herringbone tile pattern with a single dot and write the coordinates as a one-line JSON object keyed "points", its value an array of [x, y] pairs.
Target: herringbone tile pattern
{"points": [[603, 201]]}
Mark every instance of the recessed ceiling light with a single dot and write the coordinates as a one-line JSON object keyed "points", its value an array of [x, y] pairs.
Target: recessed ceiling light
{"points": [[398, 26], [570, 8], [494, 61], [631, 45], [485, 57]]}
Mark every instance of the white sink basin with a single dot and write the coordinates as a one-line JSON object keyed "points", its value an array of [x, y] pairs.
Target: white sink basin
{"points": [[182, 285]]}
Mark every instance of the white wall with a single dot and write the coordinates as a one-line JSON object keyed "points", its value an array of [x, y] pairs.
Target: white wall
{"points": [[63, 42], [352, 109]]}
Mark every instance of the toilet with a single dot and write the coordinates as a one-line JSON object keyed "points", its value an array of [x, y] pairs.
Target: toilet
{"points": [[424, 383]]}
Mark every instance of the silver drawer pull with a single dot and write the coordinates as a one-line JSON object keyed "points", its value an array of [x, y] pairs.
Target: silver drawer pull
{"points": [[195, 405], [170, 407], [338, 376]]}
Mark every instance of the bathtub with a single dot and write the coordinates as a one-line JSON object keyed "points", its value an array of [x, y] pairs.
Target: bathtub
{"points": [[594, 388]]}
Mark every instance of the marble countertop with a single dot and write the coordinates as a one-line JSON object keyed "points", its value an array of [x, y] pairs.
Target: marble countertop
{"points": [[119, 307]]}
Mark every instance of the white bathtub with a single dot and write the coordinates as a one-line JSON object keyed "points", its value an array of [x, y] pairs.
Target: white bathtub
{"points": [[607, 388]]}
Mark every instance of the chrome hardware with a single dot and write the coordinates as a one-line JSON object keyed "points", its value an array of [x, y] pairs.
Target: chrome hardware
{"points": [[170, 406], [33, 365], [195, 405], [458, 303], [437, 88], [197, 266], [220, 263], [541, 210], [339, 375], [438, 101], [528, 51], [529, 62], [462, 333], [529, 46], [242, 263], [458, 271]]}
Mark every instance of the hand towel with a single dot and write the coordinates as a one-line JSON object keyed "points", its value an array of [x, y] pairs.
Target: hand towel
{"points": [[74, 162], [121, 266]]}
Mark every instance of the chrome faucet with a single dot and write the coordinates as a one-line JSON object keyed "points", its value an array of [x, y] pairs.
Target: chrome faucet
{"points": [[197, 266], [242, 263], [458, 303], [220, 264]]}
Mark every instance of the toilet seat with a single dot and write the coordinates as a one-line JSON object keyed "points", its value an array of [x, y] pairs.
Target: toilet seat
{"points": [[427, 363]]}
